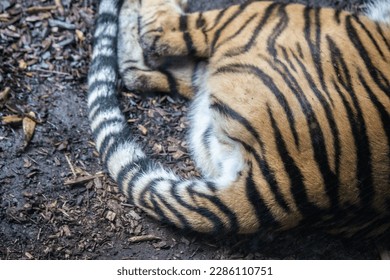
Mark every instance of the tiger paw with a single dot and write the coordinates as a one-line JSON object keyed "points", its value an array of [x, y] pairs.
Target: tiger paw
{"points": [[160, 33], [155, 36]]}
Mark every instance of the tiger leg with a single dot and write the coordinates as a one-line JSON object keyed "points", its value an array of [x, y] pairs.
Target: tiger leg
{"points": [[216, 155], [141, 73]]}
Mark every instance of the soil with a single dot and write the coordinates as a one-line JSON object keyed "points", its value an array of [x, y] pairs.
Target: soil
{"points": [[56, 201]]}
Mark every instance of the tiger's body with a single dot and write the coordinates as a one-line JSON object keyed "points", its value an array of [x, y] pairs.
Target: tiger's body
{"points": [[289, 122]]}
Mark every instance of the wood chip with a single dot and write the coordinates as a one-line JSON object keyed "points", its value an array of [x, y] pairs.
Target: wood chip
{"points": [[4, 94], [134, 215], [12, 119], [80, 180], [80, 35], [143, 238], [28, 129], [110, 216], [143, 129], [38, 9], [61, 24], [65, 229], [28, 255], [22, 64]]}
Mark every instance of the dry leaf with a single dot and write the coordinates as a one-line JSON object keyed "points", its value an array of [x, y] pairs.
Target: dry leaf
{"points": [[28, 129]]}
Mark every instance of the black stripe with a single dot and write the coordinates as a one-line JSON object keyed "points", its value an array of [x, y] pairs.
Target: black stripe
{"points": [[102, 61], [268, 82], [287, 58], [158, 211], [300, 52], [110, 85], [268, 174], [217, 20], [103, 103], [104, 124], [363, 153], [105, 18], [379, 78], [183, 26], [331, 180], [200, 210], [384, 39], [380, 107], [227, 111], [369, 34], [233, 222], [384, 115], [263, 213], [337, 16], [140, 165], [238, 32], [145, 166], [120, 138], [172, 83], [311, 119], [277, 30], [315, 48], [200, 21], [297, 186], [364, 168], [263, 164], [183, 220], [217, 34], [245, 48], [206, 140], [142, 201]]}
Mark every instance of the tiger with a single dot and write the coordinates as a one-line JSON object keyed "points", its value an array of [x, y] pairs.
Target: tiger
{"points": [[288, 118]]}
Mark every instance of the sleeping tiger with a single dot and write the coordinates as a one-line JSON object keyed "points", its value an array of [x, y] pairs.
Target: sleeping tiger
{"points": [[289, 117]]}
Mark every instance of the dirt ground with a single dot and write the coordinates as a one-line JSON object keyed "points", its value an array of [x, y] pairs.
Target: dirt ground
{"points": [[56, 202]]}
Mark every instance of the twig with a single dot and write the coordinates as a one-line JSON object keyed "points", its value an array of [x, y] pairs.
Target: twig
{"points": [[127, 205], [71, 166], [52, 72]]}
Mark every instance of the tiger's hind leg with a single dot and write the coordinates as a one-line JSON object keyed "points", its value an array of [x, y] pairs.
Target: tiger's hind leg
{"points": [[140, 72], [216, 155]]}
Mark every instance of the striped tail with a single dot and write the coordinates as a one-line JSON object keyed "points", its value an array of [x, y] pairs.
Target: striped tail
{"points": [[378, 10], [188, 204]]}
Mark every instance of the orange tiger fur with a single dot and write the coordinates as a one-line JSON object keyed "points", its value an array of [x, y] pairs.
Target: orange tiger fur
{"points": [[289, 122]]}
